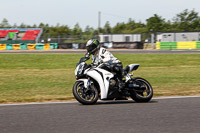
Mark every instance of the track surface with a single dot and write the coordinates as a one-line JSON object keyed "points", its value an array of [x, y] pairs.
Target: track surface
{"points": [[179, 115], [139, 51]]}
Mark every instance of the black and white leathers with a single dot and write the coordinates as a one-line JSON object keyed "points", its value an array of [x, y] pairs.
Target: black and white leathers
{"points": [[104, 56]]}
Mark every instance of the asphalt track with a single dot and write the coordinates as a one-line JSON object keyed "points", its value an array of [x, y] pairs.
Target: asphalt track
{"points": [[161, 115], [136, 51]]}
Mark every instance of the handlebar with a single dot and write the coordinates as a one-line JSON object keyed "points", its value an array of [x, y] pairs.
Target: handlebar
{"points": [[82, 59]]}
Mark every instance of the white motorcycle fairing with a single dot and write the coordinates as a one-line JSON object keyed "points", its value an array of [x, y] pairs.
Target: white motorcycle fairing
{"points": [[94, 81], [132, 67], [102, 77], [85, 81]]}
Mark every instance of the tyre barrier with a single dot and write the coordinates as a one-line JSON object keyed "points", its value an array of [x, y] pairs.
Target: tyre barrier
{"points": [[178, 45], [29, 46]]}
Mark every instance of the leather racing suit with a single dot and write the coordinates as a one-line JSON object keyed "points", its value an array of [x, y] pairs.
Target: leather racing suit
{"points": [[112, 63]]}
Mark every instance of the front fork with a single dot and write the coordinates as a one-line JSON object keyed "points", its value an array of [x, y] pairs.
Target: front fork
{"points": [[89, 84]]}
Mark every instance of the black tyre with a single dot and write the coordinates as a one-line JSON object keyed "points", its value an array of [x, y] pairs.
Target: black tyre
{"points": [[145, 93], [83, 95]]}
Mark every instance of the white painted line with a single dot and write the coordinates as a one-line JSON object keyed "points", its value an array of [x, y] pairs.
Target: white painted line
{"points": [[22, 104], [68, 102], [175, 97]]}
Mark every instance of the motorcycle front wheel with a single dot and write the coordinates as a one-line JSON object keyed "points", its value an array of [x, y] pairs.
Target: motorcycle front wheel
{"points": [[83, 95], [145, 93]]}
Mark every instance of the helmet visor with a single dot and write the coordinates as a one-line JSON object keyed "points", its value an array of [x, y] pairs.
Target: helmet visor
{"points": [[91, 48]]}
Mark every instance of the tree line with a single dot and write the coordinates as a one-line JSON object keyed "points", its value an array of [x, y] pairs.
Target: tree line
{"points": [[187, 20]]}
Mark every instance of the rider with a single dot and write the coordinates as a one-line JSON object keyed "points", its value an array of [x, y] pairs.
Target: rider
{"points": [[101, 55]]}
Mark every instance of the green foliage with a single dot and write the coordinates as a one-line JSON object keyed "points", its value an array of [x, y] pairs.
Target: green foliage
{"points": [[4, 23], [130, 27], [155, 23], [187, 20], [107, 28], [119, 28]]}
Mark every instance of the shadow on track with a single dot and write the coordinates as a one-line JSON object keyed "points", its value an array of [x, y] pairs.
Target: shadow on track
{"points": [[121, 102]]}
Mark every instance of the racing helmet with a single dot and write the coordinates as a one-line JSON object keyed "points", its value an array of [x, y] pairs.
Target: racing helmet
{"points": [[92, 45]]}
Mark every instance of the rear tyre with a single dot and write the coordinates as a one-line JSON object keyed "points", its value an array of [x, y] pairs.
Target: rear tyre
{"points": [[83, 95], [145, 93]]}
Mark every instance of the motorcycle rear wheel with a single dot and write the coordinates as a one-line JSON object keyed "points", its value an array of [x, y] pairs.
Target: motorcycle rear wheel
{"points": [[142, 95], [84, 96]]}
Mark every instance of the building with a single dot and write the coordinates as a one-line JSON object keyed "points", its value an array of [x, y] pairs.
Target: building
{"points": [[132, 41], [178, 36], [178, 40], [119, 38]]}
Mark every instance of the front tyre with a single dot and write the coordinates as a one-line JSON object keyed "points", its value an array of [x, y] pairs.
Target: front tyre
{"points": [[144, 93], [84, 95]]}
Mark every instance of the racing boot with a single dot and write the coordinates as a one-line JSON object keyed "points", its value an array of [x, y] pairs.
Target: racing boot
{"points": [[121, 85]]}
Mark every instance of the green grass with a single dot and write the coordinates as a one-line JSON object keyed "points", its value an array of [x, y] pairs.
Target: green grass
{"points": [[50, 77]]}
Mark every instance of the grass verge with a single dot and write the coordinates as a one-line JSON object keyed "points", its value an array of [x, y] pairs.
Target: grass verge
{"points": [[50, 77]]}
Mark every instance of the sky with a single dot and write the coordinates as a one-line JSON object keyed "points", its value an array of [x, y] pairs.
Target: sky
{"points": [[85, 12]]}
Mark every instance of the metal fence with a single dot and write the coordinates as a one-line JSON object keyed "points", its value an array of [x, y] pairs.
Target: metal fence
{"points": [[67, 38]]}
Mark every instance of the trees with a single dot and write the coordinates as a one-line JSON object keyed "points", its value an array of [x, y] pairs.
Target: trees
{"points": [[88, 33], [107, 28], [187, 20], [118, 28], [5, 24], [155, 23]]}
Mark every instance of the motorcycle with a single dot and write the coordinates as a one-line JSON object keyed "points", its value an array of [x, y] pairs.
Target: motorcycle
{"points": [[96, 82]]}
